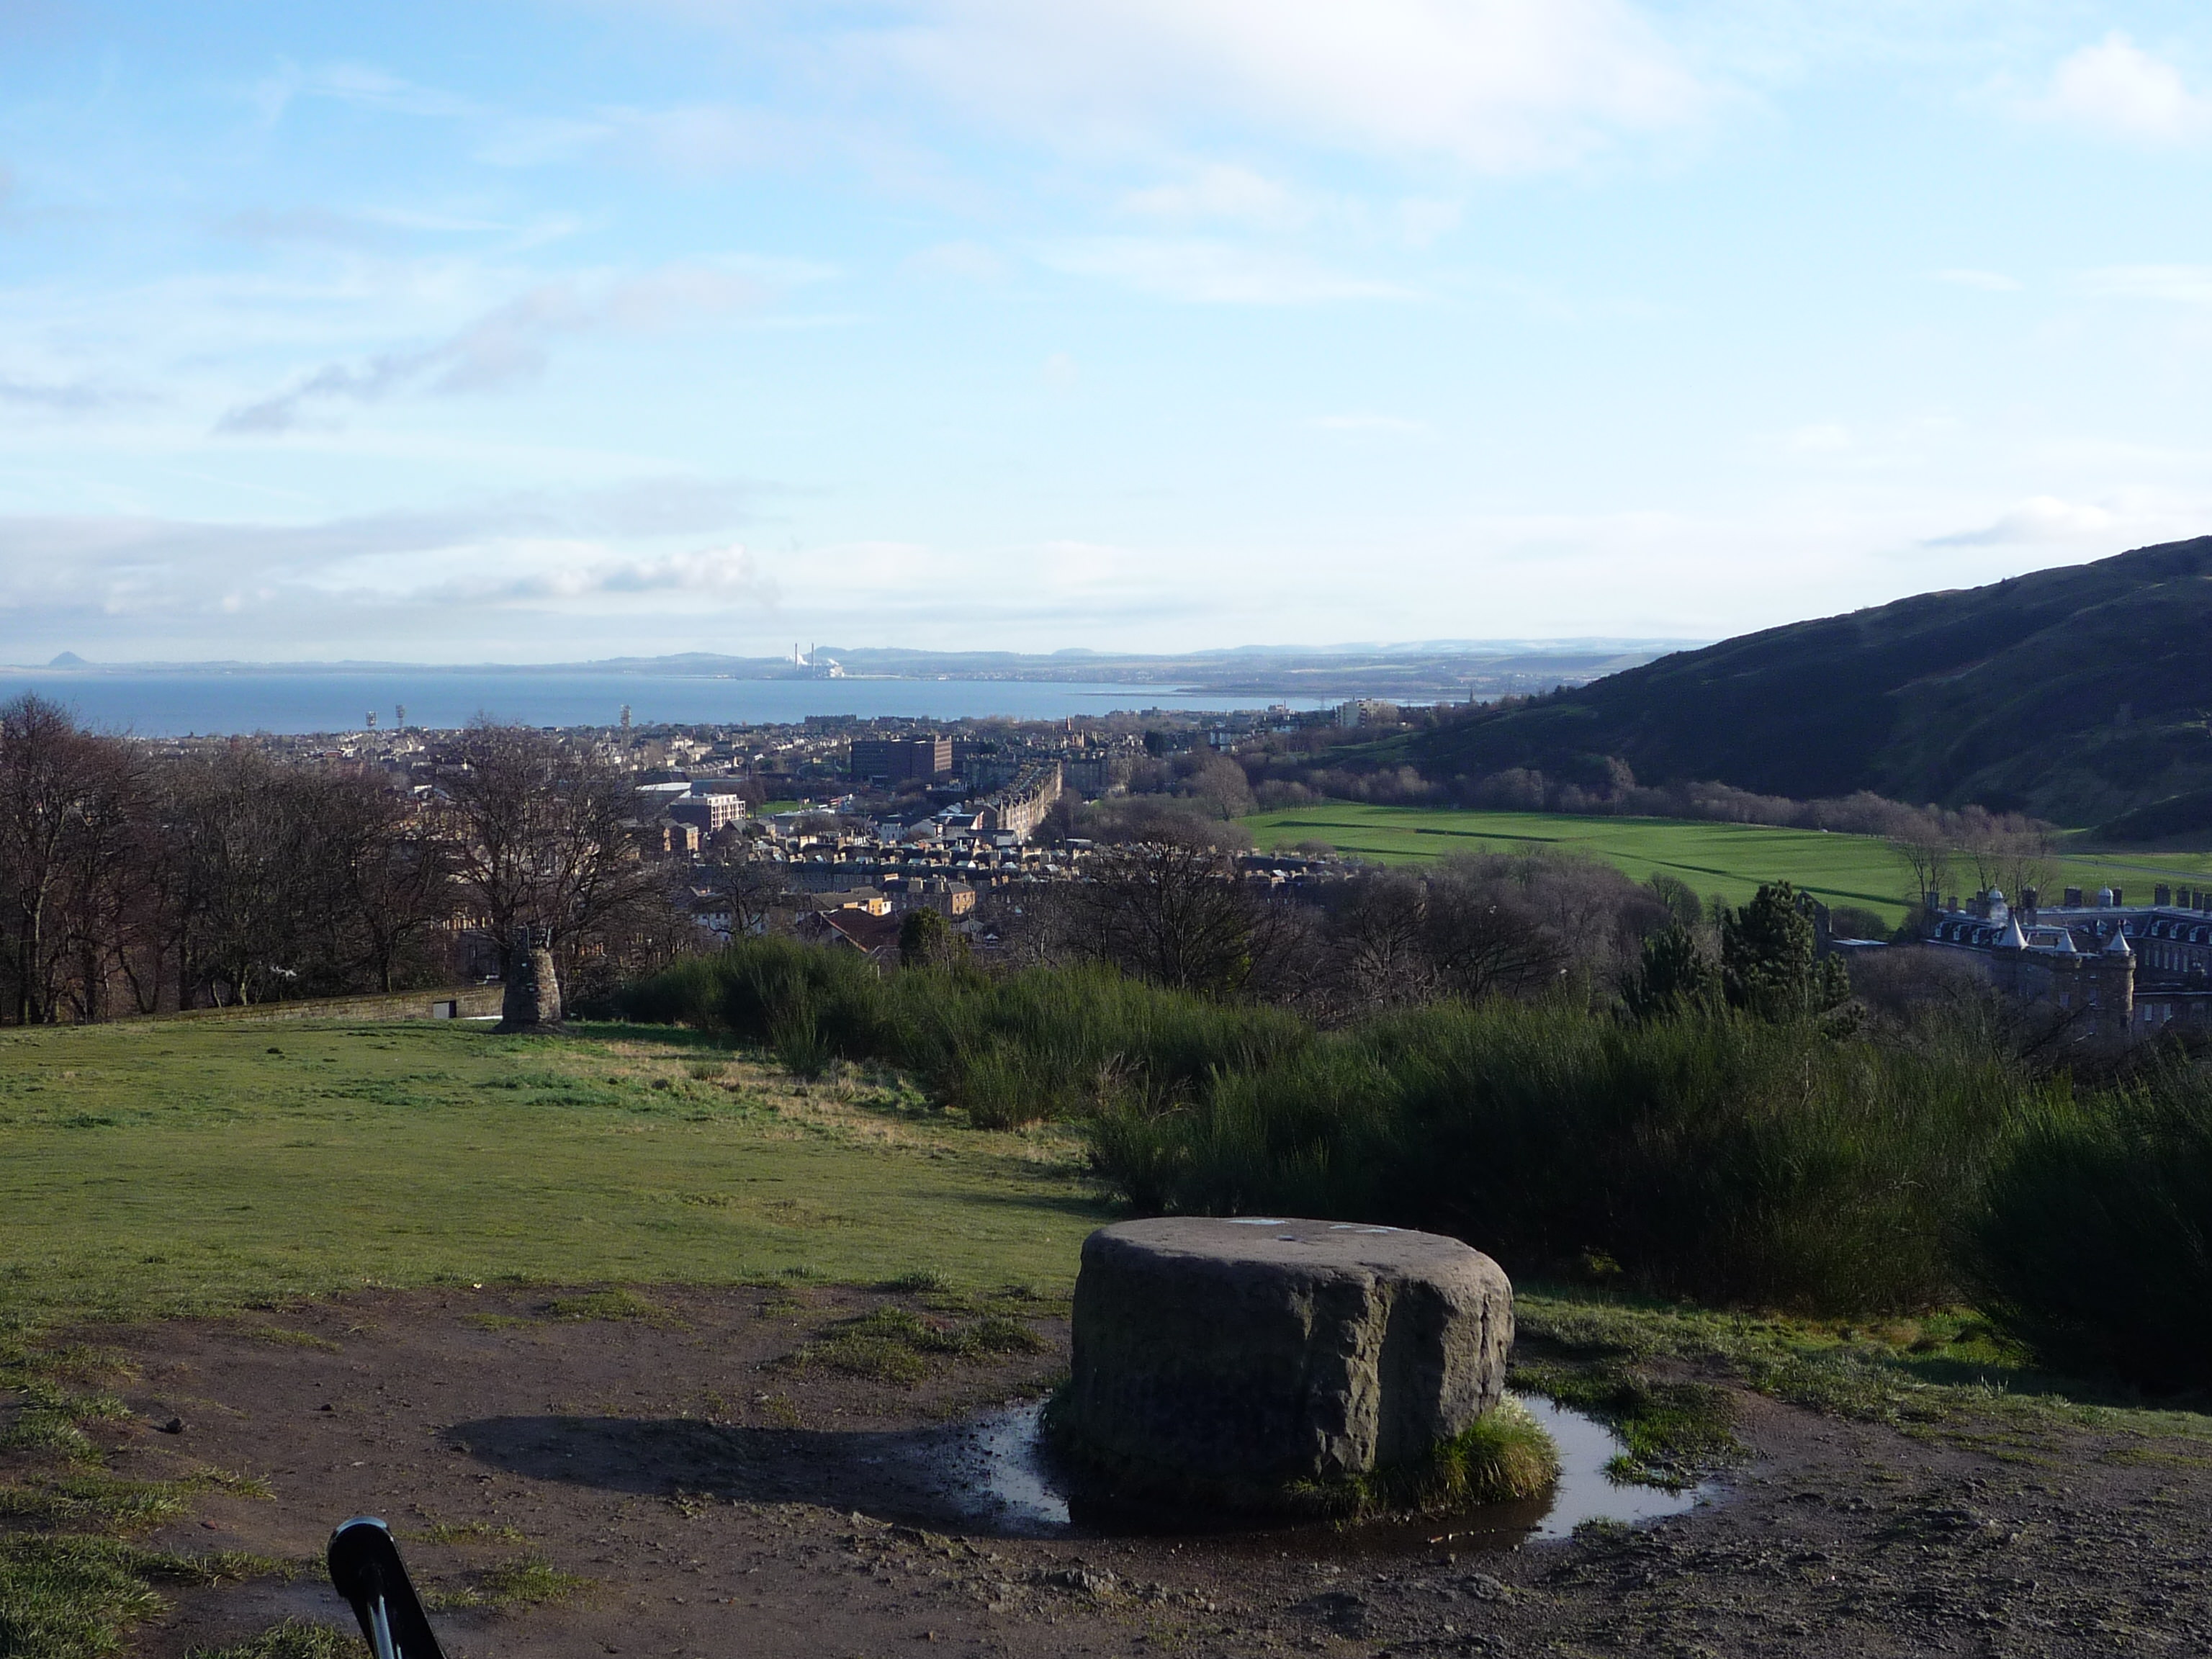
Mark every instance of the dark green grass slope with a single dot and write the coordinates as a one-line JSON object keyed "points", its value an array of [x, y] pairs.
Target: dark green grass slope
{"points": [[2077, 694]]}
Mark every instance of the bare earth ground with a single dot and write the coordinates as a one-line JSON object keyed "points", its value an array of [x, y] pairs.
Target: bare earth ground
{"points": [[723, 1501]]}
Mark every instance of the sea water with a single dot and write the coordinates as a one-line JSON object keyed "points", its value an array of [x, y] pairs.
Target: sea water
{"points": [[170, 703]]}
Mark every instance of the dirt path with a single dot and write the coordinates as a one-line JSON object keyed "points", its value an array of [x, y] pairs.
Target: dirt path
{"points": [[722, 1500]]}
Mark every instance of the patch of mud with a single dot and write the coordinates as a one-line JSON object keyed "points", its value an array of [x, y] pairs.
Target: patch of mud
{"points": [[992, 1475], [722, 1500]]}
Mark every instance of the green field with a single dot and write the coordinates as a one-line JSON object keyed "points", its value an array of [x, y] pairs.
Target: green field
{"points": [[155, 1167], [1730, 860]]}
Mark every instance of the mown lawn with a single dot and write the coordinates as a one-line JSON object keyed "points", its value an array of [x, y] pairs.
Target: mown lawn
{"points": [[1730, 860], [155, 1167]]}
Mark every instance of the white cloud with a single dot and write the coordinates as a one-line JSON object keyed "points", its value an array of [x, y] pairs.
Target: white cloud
{"points": [[2176, 284], [1499, 86], [2039, 519], [1989, 281], [554, 572], [725, 572], [2116, 89], [1212, 272]]}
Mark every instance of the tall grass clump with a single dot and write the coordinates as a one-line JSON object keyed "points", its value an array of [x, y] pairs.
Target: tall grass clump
{"points": [[2094, 1245], [1047, 1043], [1715, 1157]]}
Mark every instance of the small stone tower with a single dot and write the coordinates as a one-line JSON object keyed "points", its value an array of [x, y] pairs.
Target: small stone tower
{"points": [[532, 1001]]}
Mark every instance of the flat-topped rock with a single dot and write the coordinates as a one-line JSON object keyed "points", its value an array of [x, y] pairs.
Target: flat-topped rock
{"points": [[1246, 1356]]}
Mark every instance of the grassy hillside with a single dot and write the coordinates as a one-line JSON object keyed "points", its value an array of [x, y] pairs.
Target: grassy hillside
{"points": [[149, 1168], [1728, 859], [2076, 694]]}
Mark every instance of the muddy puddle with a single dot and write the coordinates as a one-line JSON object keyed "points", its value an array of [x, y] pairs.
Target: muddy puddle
{"points": [[991, 1475], [1013, 1488]]}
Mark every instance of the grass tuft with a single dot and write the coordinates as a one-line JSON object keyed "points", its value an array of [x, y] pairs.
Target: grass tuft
{"points": [[1502, 1457], [75, 1597], [295, 1638], [614, 1305], [511, 1587], [920, 1282], [469, 1532], [898, 1346]]}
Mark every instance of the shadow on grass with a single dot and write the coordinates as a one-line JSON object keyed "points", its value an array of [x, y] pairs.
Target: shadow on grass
{"points": [[683, 1037]]}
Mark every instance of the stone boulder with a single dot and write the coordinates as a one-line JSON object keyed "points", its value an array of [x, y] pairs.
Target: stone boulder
{"points": [[1239, 1359]]}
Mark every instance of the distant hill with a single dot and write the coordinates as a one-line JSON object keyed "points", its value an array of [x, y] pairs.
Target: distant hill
{"points": [[2080, 695]]}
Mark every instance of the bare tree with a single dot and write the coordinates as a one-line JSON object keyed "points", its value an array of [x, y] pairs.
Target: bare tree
{"points": [[248, 848], [1492, 924], [392, 876], [540, 835], [61, 792], [744, 883], [1179, 915], [106, 889], [1379, 939], [1486, 939], [1923, 848], [2004, 850]]}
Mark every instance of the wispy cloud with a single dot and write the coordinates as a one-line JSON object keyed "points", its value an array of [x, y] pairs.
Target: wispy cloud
{"points": [[1214, 273], [61, 397], [370, 228], [1500, 85], [727, 573], [2189, 285], [544, 548], [2118, 90], [506, 345], [2039, 519]]}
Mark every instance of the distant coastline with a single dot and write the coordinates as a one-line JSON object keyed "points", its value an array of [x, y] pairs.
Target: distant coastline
{"points": [[211, 698], [1432, 666]]}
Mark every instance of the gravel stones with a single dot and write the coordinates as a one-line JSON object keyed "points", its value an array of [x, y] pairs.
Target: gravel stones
{"points": [[1244, 1360]]}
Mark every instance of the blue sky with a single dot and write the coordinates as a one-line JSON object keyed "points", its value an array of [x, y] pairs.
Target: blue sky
{"points": [[536, 331]]}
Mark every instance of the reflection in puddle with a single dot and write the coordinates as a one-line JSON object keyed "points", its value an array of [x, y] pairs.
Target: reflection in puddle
{"points": [[1015, 1489], [1586, 1492]]}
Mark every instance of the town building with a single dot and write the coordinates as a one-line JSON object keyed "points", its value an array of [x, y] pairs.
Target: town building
{"points": [[2124, 972], [1019, 809], [892, 760], [707, 810]]}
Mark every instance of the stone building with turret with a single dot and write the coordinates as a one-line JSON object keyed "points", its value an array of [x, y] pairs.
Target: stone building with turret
{"points": [[2125, 972]]}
